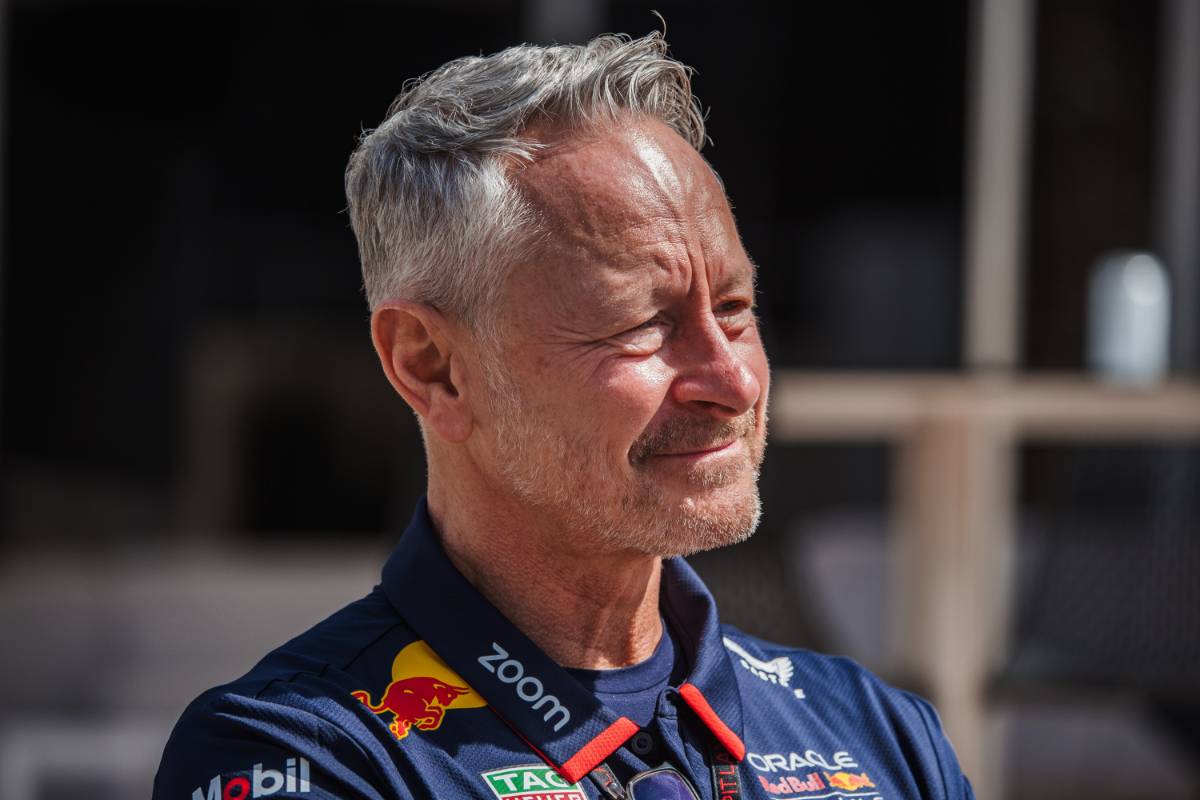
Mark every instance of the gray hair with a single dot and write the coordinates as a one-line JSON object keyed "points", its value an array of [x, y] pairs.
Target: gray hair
{"points": [[437, 219]]}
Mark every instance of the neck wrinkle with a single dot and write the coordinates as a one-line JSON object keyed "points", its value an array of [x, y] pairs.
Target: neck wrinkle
{"points": [[585, 610]]}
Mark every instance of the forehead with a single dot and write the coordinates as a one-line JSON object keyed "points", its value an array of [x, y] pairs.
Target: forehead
{"points": [[608, 197]]}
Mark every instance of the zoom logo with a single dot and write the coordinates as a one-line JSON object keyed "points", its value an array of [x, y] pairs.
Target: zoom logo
{"points": [[527, 687]]}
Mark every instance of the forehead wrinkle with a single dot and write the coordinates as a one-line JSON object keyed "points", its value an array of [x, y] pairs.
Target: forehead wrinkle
{"points": [[629, 216], [590, 189], [658, 176]]}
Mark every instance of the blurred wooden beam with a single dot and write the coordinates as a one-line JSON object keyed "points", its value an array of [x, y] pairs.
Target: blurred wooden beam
{"points": [[872, 406]]}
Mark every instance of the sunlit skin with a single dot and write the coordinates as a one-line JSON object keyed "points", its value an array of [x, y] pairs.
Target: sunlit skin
{"points": [[624, 416]]}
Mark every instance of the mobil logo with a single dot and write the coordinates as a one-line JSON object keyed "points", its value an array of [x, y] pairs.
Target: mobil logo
{"points": [[422, 690], [294, 777]]}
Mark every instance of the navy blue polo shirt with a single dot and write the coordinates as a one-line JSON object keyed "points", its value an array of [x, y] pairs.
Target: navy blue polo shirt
{"points": [[423, 689], [633, 691]]}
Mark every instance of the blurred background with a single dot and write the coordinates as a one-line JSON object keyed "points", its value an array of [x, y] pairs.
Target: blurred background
{"points": [[976, 224]]}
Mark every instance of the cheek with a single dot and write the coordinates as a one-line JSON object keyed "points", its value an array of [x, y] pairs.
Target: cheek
{"points": [[631, 393]]}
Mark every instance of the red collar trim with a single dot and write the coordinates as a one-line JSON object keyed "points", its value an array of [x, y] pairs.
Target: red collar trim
{"points": [[728, 739], [588, 757], [599, 748]]}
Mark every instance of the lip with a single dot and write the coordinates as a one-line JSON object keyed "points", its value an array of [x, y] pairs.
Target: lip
{"points": [[708, 451]]}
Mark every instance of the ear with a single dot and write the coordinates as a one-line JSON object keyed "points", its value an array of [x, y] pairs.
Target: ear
{"points": [[416, 347]]}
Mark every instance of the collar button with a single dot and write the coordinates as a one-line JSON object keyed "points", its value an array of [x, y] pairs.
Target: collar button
{"points": [[642, 743]]}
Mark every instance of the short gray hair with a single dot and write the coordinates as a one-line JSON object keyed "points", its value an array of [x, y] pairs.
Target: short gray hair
{"points": [[437, 219]]}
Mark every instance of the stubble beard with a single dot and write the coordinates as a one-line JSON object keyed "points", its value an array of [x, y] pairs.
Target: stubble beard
{"points": [[564, 477]]}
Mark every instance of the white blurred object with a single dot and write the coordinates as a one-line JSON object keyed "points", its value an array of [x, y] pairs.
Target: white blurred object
{"points": [[1129, 315]]}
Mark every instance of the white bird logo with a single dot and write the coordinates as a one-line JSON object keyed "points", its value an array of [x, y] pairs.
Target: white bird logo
{"points": [[777, 670]]}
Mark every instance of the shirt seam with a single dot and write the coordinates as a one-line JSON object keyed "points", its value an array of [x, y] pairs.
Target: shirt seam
{"points": [[937, 756], [317, 673]]}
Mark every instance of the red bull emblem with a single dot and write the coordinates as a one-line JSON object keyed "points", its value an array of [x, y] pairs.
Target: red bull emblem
{"points": [[422, 690], [848, 780]]}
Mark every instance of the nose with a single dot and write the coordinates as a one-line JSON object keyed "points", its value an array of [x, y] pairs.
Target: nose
{"points": [[712, 372]]}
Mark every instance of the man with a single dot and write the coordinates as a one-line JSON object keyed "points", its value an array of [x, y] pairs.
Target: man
{"points": [[559, 292]]}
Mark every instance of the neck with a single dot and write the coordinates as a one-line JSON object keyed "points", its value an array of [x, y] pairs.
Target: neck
{"points": [[586, 609]]}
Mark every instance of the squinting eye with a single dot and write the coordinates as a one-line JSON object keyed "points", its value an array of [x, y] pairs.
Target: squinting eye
{"points": [[732, 307], [645, 338], [656, 321], [735, 317]]}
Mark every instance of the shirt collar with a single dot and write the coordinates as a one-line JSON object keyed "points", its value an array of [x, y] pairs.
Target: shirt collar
{"points": [[551, 711]]}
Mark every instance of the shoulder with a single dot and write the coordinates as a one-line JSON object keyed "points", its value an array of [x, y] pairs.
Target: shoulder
{"points": [[293, 715], [832, 675], [852, 703]]}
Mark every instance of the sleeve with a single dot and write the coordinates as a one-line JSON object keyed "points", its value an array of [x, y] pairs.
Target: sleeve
{"points": [[955, 785], [238, 748]]}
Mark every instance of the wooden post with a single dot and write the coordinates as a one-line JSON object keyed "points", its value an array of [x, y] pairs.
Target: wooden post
{"points": [[997, 133], [952, 563]]}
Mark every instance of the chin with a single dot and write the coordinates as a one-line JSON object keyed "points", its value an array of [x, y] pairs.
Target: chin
{"points": [[713, 520], [690, 522]]}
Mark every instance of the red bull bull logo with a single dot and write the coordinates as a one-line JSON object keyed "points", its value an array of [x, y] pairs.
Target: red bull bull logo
{"points": [[848, 780], [422, 690]]}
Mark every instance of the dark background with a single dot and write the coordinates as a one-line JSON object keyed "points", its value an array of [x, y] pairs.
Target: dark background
{"points": [[176, 168]]}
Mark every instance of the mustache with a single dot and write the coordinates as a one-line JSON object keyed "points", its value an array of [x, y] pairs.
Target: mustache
{"points": [[691, 433]]}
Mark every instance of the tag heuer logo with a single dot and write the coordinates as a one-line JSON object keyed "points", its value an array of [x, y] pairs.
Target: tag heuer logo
{"points": [[531, 782]]}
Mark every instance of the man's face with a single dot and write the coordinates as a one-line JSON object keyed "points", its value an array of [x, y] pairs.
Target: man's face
{"points": [[628, 404]]}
